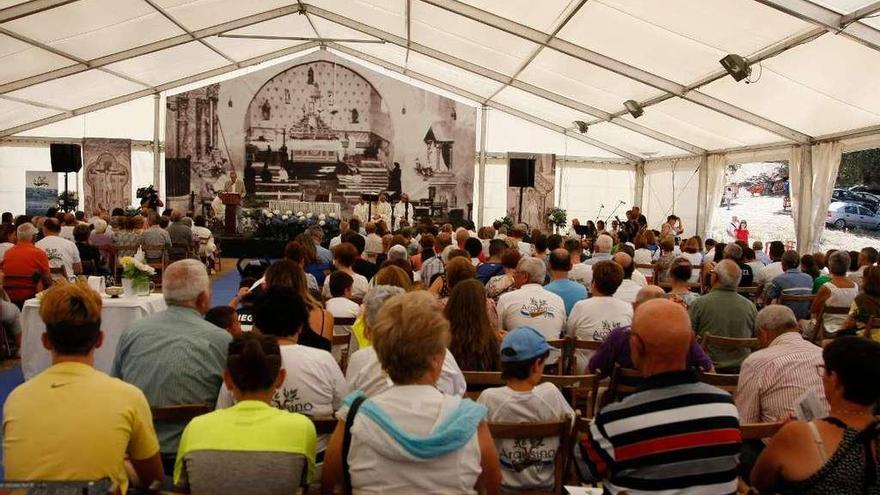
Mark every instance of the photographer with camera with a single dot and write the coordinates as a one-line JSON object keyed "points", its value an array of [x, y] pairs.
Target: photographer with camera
{"points": [[149, 198]]}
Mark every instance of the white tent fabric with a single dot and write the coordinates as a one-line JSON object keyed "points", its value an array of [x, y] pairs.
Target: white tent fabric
{"points": [[826, 162], [566, 60], [715, 166]]}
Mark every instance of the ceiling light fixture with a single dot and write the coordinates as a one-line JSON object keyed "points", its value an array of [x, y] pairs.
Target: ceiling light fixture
{"points": [[634, 108], [582, 126], [737, 66]]}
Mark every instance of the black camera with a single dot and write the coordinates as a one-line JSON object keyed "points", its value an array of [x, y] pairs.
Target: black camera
{"points": [[146, 192]]}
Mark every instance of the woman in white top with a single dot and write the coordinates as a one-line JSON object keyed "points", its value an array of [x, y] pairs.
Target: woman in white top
{"points": [[840, 292], [412, 438], [314, 385], [693, 253], [643, 255]]}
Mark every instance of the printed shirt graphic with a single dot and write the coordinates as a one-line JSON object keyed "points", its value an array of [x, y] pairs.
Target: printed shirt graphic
{"points": [[594, 319], [526, 463], [535, 307]]}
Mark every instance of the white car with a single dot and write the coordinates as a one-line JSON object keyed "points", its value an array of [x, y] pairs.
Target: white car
{"points": [[842, 215]]}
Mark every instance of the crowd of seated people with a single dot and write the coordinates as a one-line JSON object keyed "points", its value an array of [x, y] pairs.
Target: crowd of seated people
{"points": [[424, 309]]}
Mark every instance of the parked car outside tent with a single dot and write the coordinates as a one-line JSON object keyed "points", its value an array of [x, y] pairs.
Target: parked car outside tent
{"points": [[843, 215]]}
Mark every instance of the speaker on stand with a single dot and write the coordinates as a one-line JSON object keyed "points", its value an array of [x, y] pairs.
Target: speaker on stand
{"points": [[521, 174], [65, 158]]}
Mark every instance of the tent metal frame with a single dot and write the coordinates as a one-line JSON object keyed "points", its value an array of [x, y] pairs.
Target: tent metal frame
{"points": [[847, 25]]}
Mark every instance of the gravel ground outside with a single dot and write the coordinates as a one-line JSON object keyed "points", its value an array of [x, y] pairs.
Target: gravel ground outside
{"points": [[769, 222]]}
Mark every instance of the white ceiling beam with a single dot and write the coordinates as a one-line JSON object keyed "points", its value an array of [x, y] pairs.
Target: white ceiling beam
{"points": [[618, 67], [501, 78], [30, 8], [81, 62], [478, 99], [151, 47], [844, 25], [185, 29], [162, 87]]}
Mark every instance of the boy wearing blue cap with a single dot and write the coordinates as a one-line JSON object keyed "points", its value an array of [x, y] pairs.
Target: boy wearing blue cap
{"points": [[525, 464]]}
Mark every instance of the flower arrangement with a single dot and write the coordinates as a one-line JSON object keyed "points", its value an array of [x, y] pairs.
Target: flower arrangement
{"points": [[134, 267], [285, 225], [506, 221], [557, 217]]}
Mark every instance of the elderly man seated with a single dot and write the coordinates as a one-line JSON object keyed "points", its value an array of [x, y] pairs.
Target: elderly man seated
{"points": [[24, 266], [615, 350], [175, 357], [365, 372], [676, 434], [725, 313], [772, 379]]}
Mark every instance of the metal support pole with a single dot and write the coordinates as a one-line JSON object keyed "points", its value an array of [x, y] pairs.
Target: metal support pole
{"points": [[638, 193], [702, 197], [481, 170], [157, 154], [803, 225]]}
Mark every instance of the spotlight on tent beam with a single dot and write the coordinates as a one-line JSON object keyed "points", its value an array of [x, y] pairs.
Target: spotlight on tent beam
{"points": [[737, 66], [582, 126], [634, 109]]}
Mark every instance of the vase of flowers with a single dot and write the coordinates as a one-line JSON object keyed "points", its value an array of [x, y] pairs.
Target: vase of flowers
{"points": [[557, 217], [136, 275]]}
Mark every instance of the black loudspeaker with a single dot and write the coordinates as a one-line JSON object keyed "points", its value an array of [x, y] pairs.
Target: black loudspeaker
{"points": [[66, 157], [521, 172]]}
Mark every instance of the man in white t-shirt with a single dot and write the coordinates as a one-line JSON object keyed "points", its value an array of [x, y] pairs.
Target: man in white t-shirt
{"points": [[364, 370], [532, 305], [61, 252], [525, 465], [579, 272], [340, 305], [629, 287], [596, 317], [314, 385]]}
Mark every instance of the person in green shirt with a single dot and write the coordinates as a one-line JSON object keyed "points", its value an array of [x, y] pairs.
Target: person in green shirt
{"points": [[251, 447]]}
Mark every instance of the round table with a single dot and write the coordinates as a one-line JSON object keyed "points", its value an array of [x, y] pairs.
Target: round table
{"points": [[116, 316]]}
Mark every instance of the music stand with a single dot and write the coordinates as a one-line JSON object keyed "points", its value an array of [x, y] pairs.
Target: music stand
{"points": [[370, 199]]}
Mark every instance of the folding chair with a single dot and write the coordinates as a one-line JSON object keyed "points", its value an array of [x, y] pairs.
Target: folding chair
{"points": [[624, 381], [651, 275], [757, 431], [325, 425], [725, 382], [477, 381], [580, 387], [821, 335], [527, 431], [580, 345], [751, 293], [718, 341]]}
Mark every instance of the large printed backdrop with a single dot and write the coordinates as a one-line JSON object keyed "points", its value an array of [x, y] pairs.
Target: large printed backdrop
{"points": [[538, 200], [107, 174], [320, 126]]}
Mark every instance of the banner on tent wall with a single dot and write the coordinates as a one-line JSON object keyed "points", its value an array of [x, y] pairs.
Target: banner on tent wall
{"points": [[40, 192], [316, 129], [107, 174], [536, 201]]}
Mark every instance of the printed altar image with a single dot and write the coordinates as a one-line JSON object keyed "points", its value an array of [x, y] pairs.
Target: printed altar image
{"points": [[320, 131]]}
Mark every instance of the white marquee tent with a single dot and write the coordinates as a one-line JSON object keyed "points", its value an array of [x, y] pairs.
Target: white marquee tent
{"points": [[101, 68]]}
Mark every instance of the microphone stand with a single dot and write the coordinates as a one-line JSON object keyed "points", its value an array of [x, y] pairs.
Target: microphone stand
{"points": [[614, 211], [599, 214]]}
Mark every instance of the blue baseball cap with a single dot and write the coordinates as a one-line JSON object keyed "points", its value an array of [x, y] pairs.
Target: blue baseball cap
{"points": [[522, 344]]}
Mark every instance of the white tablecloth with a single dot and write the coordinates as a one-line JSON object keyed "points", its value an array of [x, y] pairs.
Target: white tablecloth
{"points": [[116, 316], [317, 208]]}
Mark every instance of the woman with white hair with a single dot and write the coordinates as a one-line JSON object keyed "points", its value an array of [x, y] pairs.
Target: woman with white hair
{"points": [[411, 437], [366, 373], [839, 292]]}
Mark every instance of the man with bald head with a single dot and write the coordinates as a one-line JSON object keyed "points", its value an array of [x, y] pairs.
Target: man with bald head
{"points": [[629, 287], [615, 350], [724, 312], [675, 434]]}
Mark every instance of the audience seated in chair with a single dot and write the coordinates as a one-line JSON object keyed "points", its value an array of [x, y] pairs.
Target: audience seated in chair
{"points": [[62, 253], [525, 399], [226, 318], [474, 339], [411, 437], [175, 356], [792, 282], [251, 447], [725, 313], [25, 266], [829, 455], [72, 422], [340, 304], [841, 292], [638, 444], [365, 371]]}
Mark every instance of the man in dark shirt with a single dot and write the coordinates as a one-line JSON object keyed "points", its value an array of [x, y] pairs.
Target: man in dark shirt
{"points": [[734, 253], [360, 266]]}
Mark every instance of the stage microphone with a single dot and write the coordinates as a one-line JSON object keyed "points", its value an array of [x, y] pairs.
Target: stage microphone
{"points": [[623, 202]]}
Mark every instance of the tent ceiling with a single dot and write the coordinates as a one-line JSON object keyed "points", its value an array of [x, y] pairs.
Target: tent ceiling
{"points": [[567, 60]]}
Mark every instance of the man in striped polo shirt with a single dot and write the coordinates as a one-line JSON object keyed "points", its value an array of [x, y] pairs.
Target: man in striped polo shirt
{"points": [[675, 435]]}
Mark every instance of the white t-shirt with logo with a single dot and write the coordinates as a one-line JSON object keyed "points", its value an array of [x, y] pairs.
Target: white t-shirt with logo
{"points": [[628, 290], [341, 307], [594, 319], [60, 251], [314, 385], [526, 464], [536, 307], [358, 289], [365, 373], [582, 274]]}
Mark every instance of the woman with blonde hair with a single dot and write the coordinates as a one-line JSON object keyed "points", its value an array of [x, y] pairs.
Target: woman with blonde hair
{"points": [[475, 343], [394, 276], [411, 438]]}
